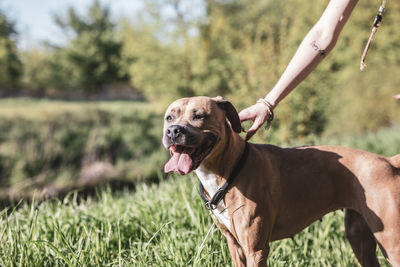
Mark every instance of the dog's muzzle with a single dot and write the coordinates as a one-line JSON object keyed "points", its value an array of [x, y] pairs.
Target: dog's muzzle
{"points": [[188, 147], [175, 133]]}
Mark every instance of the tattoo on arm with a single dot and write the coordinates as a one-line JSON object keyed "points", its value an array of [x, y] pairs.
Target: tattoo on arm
{"points": [[314, 46]]}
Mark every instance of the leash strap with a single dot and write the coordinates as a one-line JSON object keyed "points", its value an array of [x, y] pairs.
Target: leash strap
{"points": [[376, 24], [213, 203]]}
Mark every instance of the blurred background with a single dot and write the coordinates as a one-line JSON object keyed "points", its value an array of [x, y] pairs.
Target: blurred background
{"points": [[84, 84]]}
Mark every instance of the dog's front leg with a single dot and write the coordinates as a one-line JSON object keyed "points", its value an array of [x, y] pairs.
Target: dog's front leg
{"points": [[257, 257], [253, 234], [238, 257]]}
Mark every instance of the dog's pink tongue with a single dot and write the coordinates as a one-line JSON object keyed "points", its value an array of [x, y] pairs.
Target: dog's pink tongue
{"points": [[179, 162]]}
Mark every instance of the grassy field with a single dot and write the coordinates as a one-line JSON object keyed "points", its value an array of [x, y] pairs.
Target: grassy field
{"points": [[159, 225]]}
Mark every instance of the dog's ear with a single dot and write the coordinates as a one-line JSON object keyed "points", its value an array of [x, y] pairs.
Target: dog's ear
{"points": [[231, 113]]}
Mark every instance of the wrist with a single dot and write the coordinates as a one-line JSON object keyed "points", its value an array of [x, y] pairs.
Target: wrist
{"points": [[270, 110], [269, 107], [271, 100]]}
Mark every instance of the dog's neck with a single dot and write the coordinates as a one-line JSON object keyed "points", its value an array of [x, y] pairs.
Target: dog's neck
{"points": [[229, 153]]}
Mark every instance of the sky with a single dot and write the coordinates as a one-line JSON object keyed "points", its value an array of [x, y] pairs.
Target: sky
{"points": [[34, 18]]}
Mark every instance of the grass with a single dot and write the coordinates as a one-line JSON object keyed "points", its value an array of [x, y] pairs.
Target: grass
{"points": [[158, 225], [38, 108]]}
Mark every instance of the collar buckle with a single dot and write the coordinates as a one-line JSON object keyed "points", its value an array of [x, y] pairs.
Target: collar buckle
{"points": [[210, 206]]}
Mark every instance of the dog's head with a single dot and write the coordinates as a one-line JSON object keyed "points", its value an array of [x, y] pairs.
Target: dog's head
{"points": [[194, 128]]}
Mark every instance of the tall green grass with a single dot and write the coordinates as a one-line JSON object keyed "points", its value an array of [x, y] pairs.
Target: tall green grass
{"points": [[158, 225]]}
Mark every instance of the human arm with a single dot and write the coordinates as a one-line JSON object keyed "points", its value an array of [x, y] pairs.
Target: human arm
{"points": [[319, 41]]}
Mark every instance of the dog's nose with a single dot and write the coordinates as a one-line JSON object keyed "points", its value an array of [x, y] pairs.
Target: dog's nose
{"points": [[174, 131]]}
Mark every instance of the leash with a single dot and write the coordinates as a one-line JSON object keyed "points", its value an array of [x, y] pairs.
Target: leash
{"points": [[376, 24], [213, 203]]}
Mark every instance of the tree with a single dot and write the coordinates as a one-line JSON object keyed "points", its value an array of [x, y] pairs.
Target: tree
{"points": [[156, 69], [92, 58], [10, 64], [160, 51]]}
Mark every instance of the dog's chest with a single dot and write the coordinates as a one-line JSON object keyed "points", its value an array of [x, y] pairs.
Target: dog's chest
{"points": [[209, 182]]}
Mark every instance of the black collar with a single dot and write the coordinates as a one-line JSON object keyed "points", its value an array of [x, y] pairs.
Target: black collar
{"points": [[212, 204]]}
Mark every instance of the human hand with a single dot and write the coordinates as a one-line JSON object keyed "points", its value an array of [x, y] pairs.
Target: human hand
{"points": [[258, 114]]}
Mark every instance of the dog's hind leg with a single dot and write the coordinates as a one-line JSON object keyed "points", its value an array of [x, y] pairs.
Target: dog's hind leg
{"points": [[361, 238]]}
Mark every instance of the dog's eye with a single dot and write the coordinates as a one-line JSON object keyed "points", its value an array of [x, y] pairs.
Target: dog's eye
{"points": [[169, 118], [198, 117]]}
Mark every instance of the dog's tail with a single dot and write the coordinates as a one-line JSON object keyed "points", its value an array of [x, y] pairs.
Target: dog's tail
{"points": [[395, 161]]}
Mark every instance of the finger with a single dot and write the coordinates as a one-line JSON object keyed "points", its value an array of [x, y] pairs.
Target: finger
{"points": [[253, 129], [246, 115], [249, 135]]}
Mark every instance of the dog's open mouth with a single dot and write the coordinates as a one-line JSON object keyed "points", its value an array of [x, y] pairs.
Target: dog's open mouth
{"points": [[184, 159]]}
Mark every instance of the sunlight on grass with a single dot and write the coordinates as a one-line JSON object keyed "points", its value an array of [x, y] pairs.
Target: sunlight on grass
{"points": [[29, 108], [152, 227]]}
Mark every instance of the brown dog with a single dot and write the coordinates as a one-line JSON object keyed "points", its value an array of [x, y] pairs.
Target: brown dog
{"points": [[277, 192]]}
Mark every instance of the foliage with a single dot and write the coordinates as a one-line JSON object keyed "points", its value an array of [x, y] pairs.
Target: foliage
{"points": [[254, 40], [92, 57], [362, 101], [154, 68], [232, 56], [241, 49], [41, 74], [158, 225], [10, 64]]}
